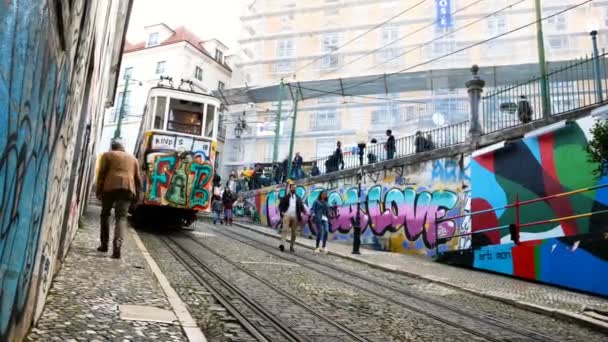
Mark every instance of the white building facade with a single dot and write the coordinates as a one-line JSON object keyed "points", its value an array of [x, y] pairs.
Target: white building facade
{"points": [[166, 52]]}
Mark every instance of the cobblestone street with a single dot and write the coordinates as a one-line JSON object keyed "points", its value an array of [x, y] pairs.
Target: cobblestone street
{"points": [[372, 304], [84, 299]]}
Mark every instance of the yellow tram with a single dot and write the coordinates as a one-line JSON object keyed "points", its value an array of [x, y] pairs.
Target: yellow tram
{"points": [[176, 148]]}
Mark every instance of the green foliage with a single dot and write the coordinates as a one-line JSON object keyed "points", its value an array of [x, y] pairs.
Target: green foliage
{"points": [[597, 149]]}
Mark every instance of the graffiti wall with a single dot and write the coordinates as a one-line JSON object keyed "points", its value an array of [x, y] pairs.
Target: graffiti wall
{"points": [[179, 179], [398, 206], [52, 90], [560, 249]]}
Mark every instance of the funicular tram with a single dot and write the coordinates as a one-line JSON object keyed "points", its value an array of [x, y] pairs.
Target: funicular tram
{"points": [[176, 148]]}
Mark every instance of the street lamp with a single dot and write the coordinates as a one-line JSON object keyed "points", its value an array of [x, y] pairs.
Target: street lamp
{"points": [[592, 26], [361, 143]]}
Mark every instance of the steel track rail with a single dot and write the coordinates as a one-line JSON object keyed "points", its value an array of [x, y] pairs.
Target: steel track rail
{"points": [[247, 324], [522, 331], [292, 298]]}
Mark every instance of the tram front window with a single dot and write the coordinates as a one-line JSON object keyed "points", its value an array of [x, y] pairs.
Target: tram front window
{"points": [[185, 122]]}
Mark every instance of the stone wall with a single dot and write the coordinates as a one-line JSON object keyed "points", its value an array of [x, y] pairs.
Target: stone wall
{"points": [[563, 240], [58, 63], [399, 204]]}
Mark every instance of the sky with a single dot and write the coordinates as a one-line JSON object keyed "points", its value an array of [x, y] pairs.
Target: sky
{"points": [[206, 18]]}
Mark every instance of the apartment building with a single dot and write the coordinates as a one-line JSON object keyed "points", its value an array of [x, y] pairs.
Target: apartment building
{"points": [[164, 52], [434, 41]]}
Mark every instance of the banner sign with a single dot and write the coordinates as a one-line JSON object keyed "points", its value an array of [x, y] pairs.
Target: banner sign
{"points": [[444, 14]]}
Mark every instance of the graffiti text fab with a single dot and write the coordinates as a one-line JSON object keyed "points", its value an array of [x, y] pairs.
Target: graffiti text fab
{"points": [[179, 180], [384, 209]]}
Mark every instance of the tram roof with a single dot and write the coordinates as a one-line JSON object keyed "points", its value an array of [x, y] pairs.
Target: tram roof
{"points": [[159, 90]]}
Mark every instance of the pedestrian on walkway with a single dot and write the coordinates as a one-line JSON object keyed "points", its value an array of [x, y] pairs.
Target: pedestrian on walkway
{"points": [[320, 212], [217, 207], [390, 145], [297, 166], [524, 110], [371, 156], [118, 185], [429, 145], [339, 157], [419, 142], [315, 170], [291, 209], [228, 200]]}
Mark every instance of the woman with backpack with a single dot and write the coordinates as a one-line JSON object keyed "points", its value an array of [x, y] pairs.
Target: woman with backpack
{"points": [[320, 212]]}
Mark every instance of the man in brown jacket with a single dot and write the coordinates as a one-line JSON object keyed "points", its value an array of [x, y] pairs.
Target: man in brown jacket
{"points": [[118, 184]]}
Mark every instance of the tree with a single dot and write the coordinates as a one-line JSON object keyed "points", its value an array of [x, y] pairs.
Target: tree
{"points": [[597, 149]]}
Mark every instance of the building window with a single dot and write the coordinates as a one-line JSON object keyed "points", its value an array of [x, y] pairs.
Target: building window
{"points": [[325, 147], [390, 52], [152, 39], [330, 12], [220, 85], [219, 56], [325, 119], [496, 25], [128, 73], [558, 43], [285, 49], [558, 22], [329, 45], [160, 67], [198, 73]]}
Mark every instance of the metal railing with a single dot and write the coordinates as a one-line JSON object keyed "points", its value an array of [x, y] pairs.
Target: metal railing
{"points": [[515, 227], [571, 86], [439, 138]]}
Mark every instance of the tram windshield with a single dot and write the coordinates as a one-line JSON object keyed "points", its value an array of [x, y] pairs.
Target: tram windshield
{"points": [[185, 117]]}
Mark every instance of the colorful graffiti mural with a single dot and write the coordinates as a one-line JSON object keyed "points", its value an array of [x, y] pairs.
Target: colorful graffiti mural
{"points": [[570, 253], [536, 167], [53, 88], [181, 180], [398, 210]]}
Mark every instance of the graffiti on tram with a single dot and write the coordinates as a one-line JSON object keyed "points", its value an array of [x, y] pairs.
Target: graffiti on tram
{"points": [[179, 179]]}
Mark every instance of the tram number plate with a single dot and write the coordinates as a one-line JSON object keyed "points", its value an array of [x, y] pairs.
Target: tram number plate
{"points": [[163, 141]]}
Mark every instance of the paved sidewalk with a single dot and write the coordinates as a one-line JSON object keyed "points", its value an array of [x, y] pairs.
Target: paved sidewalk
{"points": [[83, 302], [528, 295]]}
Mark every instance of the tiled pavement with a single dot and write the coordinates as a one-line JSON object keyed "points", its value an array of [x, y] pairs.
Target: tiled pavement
{"points": [[83, 301], [529, 295]]}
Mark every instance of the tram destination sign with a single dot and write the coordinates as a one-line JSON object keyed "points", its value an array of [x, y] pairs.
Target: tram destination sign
{"points": [[173, 142]]}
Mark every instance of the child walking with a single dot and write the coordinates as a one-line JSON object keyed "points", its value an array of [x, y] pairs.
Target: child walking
{"points": [[320, 211]]}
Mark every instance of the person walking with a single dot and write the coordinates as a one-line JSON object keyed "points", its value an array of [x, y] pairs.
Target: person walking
{"points": [[118, 185], [338, 157], [217, 207], [320, 212], [228, 201], [291, 209], [390, 145]]}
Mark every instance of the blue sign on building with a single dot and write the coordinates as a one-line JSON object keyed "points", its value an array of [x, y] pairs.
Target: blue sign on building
{"points": [[444, 13]]}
